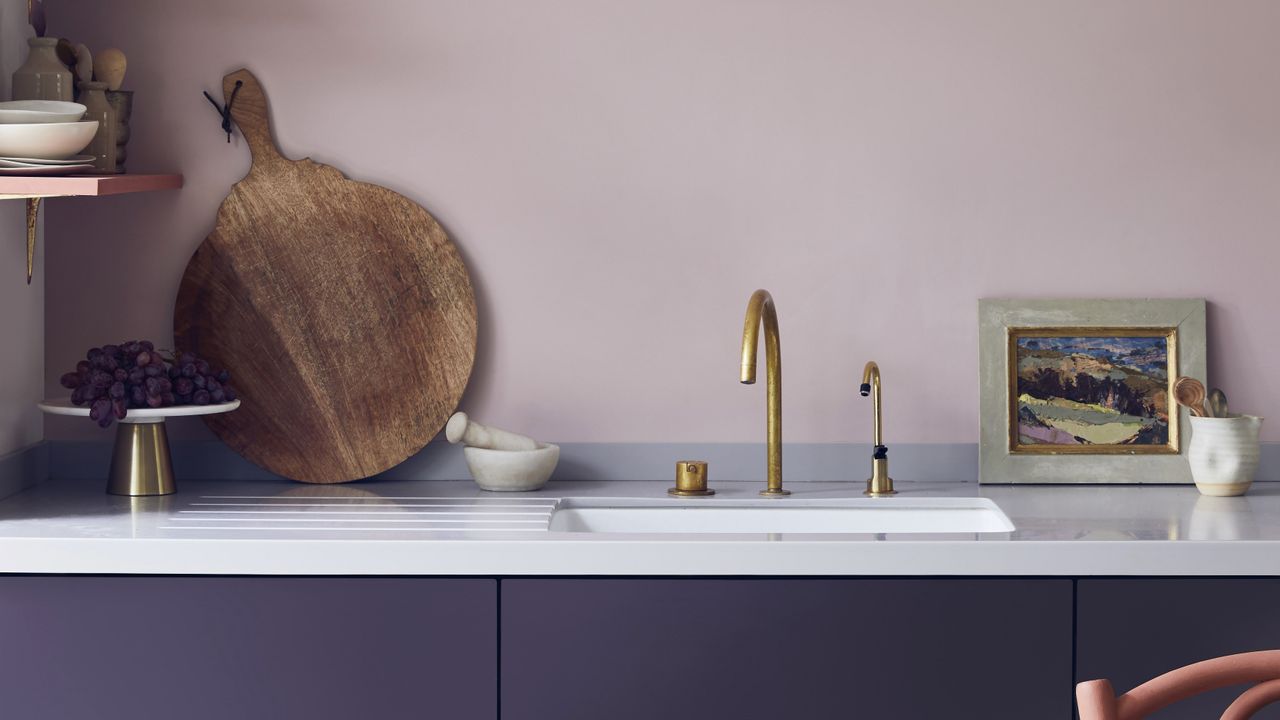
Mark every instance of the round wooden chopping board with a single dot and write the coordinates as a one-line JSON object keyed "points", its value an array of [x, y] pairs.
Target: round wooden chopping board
{"points": [[341, 309]]}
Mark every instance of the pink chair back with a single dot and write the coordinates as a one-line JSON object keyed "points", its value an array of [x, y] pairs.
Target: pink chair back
{"points": [[1097, 700]]}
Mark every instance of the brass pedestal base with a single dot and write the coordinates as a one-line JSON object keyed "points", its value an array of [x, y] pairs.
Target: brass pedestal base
{"points": [[774, 492], [880, 484], [871, 493], [140, 463]]}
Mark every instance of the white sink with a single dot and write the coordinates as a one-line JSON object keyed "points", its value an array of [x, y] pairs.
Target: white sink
{"points": [[790, 515]]}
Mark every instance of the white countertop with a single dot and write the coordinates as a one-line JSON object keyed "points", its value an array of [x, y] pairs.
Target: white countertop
{"points": [[453, 528]]}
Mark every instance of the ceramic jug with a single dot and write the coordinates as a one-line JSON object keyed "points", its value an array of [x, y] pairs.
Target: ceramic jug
{"points": [[42, 76], [1224, 453]]}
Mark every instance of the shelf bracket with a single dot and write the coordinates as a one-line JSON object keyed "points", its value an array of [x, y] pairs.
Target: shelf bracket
{"points": [[33, 216]]}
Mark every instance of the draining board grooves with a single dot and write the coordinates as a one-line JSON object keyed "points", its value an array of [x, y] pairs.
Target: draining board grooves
{"points": [[346, 514]]}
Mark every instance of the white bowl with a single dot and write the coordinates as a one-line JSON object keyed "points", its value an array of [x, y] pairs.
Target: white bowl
{"points": [[46, 141], [512, 470], [40, 111]]}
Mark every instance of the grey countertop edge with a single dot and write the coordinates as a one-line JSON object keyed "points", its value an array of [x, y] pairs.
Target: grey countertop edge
{"points": [[1068, 531], [647, 558]]}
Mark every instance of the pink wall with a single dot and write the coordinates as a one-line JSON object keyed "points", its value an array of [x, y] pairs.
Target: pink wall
{"points": [[621, 175]]}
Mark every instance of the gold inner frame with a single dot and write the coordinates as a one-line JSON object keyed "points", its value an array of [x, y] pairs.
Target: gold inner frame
{"points": [[1170, 334]]}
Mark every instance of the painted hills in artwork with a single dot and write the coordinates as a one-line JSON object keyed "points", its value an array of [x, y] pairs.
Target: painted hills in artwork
{"points": [[1092, 390]]}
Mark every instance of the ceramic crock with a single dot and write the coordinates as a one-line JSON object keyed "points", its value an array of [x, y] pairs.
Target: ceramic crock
{"points": [[1223, 453], [42, 76], [103, 148]]}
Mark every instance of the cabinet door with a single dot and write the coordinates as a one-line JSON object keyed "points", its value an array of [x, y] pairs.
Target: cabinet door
{"points": [[785, 648], [112, 648], [1132, 630]]}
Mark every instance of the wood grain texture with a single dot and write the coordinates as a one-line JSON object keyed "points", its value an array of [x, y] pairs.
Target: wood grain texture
{"points": [[342, 310]]}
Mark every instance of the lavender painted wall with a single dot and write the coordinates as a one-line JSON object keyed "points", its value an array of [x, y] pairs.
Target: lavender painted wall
{"points": [[621, 175], [21, 305]]}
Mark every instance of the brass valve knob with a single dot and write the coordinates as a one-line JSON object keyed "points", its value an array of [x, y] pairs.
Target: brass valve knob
{"points": [[691, 479]]}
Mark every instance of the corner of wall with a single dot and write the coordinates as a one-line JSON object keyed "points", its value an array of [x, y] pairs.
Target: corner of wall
{"points": [[21, 305], [23, 469]]}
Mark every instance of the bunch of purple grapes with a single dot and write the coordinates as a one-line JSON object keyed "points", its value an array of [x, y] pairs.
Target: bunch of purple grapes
{"points": [[113, 378]]}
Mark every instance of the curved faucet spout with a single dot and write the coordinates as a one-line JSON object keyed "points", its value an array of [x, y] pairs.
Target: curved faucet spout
{"points": [[871, 386], [761, 312], [879, 484]]}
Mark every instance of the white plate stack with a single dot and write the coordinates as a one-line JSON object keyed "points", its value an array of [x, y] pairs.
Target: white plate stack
{"points": [[44, 137]]}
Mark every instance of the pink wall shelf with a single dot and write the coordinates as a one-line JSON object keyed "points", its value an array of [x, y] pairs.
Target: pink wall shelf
{"points": [[35, 189], [68, 185]]}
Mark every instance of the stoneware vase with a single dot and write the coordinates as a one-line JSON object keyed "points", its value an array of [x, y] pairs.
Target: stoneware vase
{"points": [[1224, 453], [42, 76], [103, 148], [121, 101]]}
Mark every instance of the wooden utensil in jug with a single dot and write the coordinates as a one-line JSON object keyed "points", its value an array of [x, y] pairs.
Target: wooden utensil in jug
{"points": [[1189, 393]]}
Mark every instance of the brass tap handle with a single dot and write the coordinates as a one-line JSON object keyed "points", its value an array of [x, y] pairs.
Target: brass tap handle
{"points": [[691, 479]]}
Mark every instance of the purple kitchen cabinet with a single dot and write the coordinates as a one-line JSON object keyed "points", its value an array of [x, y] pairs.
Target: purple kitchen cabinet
{"points": [[626, 649], [196, 648], [1131, 630]]}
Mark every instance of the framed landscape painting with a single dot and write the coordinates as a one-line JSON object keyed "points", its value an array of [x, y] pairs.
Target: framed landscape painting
{"points": [[1092, 390], [1081, 391]]}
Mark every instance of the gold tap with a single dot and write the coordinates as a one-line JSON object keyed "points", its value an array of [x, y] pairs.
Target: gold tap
{"points": [[760, 310], [879, 484]]}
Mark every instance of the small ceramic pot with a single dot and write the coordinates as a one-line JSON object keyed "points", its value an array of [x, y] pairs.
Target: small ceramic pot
{"points": [[511, 470], [1223, 453], [103, 148], [122, 102]]}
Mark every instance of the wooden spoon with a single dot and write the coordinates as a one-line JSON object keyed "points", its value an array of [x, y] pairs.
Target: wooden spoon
{"points": [[1218, 403], [1189, 393]]}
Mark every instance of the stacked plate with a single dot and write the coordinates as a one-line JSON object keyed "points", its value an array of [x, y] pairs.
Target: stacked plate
{"points": [[44, 137], [35, 166]]}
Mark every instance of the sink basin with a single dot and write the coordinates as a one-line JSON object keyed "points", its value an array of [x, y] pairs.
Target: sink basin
{"points": [[826, 516]]}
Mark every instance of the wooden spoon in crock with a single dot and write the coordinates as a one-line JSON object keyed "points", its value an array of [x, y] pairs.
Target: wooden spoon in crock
{"points": [[1189, 392]]}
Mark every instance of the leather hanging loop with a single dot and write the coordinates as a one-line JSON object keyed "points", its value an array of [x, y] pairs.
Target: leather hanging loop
{"points": [[225, 112]]}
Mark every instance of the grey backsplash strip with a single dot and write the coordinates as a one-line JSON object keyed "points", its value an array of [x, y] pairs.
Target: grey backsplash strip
{"points": [[23, 468], [584, 461], [802, 462], [1269, 464]]}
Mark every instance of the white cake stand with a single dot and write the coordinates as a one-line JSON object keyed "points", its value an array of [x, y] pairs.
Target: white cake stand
{"points": [[140, 462]]}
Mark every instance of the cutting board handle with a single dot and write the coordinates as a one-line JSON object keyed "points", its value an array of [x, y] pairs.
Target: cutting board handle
{"points": [[252, 116]]}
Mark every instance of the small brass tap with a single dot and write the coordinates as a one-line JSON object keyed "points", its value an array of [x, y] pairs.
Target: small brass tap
{"points": [[761, 311], [879, 484]]}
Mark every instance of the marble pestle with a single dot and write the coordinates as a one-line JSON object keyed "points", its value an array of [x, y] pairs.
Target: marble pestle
{"points": [[463, 429]]}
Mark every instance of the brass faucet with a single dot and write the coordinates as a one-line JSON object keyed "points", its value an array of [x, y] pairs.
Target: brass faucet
{"points": [[760, 310], [879, 484]]}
